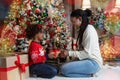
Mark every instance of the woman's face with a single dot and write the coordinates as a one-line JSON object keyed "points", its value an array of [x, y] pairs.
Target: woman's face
{"points": [[76, 21]]}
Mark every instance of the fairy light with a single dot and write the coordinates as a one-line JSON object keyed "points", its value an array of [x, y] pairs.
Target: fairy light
{"points": [[86, 4], [117, 4], [107, 50]]}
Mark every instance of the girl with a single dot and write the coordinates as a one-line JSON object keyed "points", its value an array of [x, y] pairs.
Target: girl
{"points": [[89, 59], [37, 54]]}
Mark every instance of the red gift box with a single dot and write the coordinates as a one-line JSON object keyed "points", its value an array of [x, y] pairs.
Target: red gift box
{"points": [[116, 43], [56, 52], [14, 67]]}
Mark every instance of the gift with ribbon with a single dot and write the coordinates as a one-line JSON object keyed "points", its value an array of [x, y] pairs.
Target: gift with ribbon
{"points": [[116, 44], [74, 44], [56, 52], [14, 67]]}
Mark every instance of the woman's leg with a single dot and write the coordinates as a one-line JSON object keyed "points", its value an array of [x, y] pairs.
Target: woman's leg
{"points": [[43, 70], [84, 68]]}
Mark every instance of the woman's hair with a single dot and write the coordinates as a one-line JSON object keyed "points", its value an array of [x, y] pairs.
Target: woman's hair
{"points": [[32, 30], [84, 14]]}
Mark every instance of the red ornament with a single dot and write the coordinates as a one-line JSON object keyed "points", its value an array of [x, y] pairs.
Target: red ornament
{"points": [[65, 46], [31, 4], [47, 27], [52, 34], [21, 35], [64, 14], [58, 29], [21, 18], [28, 22], [92, 21], [64, 31], [9, 33], [50, 25], [28, 12], [106, 14], [37, 10], [39, 25]]}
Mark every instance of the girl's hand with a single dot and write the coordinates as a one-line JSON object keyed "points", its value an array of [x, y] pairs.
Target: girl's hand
{"points": [[51, 55], [54, 54], [66, 53]]}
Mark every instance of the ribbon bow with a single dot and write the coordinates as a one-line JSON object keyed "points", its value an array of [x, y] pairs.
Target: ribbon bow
{"points": [[21, 66], [56, 52]]}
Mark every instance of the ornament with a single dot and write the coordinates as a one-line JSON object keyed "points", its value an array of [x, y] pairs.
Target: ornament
{"points": [[28, 12], [9, 33], [58, 29], [60, 24], [41, 22], [39, 25], [64, 14], [37, 10], [27, 22], [45, 14]]}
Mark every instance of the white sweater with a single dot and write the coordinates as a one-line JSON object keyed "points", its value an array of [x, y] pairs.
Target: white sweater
{"points": [[91, 46]]}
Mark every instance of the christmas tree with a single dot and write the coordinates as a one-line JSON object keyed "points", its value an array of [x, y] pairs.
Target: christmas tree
{"points": [[58, 20], [50, 14]]}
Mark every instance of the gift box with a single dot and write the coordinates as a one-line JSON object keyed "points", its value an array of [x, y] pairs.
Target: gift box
{"points": [[56, 52], [116, 43], [14, 67]]}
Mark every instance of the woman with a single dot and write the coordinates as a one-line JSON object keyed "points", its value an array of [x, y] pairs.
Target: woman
{"points": [[89, 59]]}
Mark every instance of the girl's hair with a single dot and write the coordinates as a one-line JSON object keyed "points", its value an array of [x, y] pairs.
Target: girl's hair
{"points": [[84, 14], [32, 30]]}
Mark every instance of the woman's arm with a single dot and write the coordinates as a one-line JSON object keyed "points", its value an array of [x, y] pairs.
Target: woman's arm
{"points": [[79, 54]]}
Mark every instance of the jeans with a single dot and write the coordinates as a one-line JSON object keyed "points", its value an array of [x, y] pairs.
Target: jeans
{"points": [[83, 68], [43, 70]]}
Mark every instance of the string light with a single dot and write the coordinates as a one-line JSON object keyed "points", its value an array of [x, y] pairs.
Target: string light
{"points": [[117, 4], [86, 4]]}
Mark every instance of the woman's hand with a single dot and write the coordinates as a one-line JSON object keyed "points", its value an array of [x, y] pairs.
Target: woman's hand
{"points": [[64, 54]]}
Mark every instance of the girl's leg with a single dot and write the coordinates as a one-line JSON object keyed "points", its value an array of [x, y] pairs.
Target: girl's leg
{"points": [[43, 70], [84, 68]]}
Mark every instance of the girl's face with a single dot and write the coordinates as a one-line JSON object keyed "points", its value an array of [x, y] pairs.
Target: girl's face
{"points": [[76, 21], [40, 36]]}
